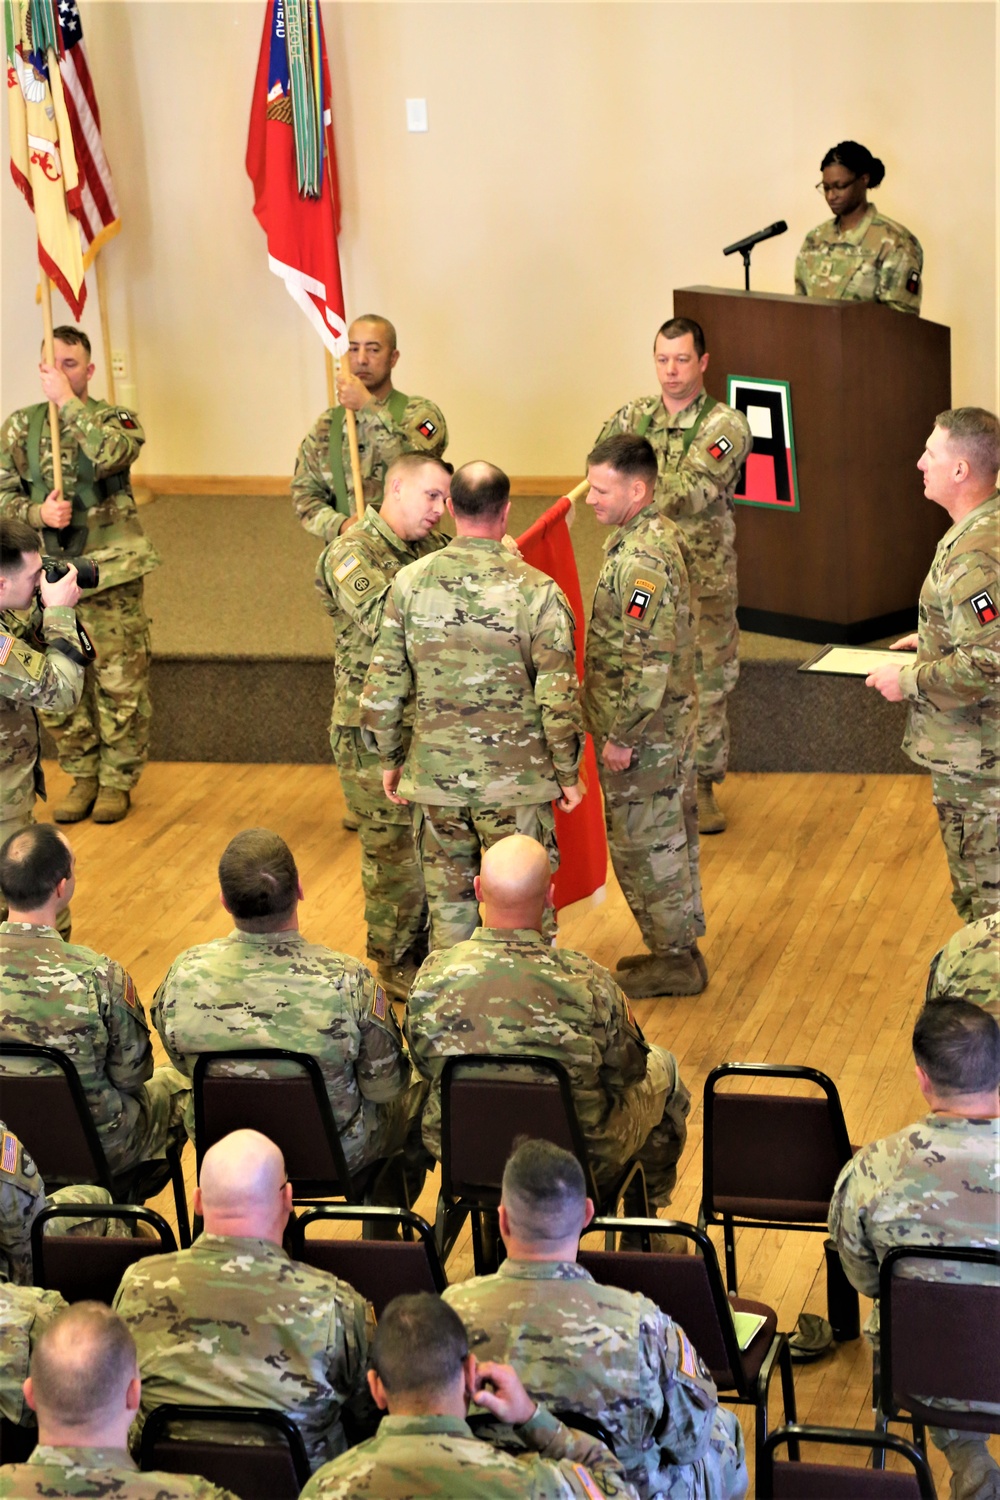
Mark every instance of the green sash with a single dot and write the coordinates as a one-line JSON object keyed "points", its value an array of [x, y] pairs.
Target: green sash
{"points": [[397, 404], [690, 433]]}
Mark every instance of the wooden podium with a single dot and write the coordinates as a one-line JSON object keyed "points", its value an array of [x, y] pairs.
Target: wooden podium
{"points": [[865, 384]]}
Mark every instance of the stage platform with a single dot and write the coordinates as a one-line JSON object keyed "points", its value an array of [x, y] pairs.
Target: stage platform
{"points": [[243, 658]]}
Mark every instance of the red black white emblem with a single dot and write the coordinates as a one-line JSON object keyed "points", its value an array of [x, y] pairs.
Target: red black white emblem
{"points": [[638, 604], [126, 419], [913, 282], [721, 447], [984, 608], [427, 429]]}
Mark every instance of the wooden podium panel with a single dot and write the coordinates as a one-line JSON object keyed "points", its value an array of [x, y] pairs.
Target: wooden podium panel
{"points": [[866, 384]]}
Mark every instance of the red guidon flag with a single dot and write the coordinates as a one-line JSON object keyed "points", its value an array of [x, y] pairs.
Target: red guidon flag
{"points": [[292, 165], [583, 847]]}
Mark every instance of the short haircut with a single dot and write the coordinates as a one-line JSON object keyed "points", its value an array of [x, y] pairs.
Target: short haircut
{"points": [[481, 493], [957, 1044], [975, 432], [419, 1345], [259, 878], [32, 863], [628, 454], [676, 328], [67, 334], [82, 1364], [17, 539], [390, 332], [544, 1191], [857, 159], [412, 459]]}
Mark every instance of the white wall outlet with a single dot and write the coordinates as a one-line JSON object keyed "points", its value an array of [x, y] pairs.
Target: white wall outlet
{"points": [[416, 114]]}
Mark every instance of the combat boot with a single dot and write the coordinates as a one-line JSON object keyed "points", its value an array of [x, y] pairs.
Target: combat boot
{"points": [[711, 818], [975, 1473], [112, 804], [633, 961], [77, 802], [675, 974]]}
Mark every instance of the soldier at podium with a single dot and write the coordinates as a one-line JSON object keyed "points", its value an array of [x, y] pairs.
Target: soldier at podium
{"points": [[859, 255], [700, 445]]}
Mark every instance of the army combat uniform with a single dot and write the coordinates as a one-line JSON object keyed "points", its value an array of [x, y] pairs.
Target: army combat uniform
{"points": [[234, 1321], [484, 644], [22, 1199], [36, 672], [106, 736], [56, 994], [968, 966], [954, 719], [323, 485], [508, 991], [935, 1183], [24, 1312], [639, 691], [94, 1472], [354, 576], [876, 261], [275, 989], [613, 1356], [699, 454], [412, 1456]]}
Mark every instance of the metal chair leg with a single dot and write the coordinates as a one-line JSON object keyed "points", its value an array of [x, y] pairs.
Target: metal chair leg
{"points": [[729, 1236]]}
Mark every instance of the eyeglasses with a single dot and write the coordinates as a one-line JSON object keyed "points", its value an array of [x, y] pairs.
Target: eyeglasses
{"points": [[834, 187]]}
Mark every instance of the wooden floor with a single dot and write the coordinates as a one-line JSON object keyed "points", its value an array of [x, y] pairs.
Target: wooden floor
{"points": [[825, 900]]}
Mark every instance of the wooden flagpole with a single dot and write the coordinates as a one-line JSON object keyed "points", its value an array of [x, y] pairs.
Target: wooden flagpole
{"points": [[50, 357], [352, 443], [578, 492], [102, 307]]}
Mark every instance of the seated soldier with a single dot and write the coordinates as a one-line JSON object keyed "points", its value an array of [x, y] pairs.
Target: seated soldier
{"points": [[507, 990], [423, 1374], [61, 995], [934, 1183], [84, 1388], [265, 986], [606, 1353], [234, 1321], [968, 966], [24, 1312], [22, 1198]]}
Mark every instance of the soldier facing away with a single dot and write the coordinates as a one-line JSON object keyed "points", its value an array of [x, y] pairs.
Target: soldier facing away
{"points": [[264, 985], [953, 725], [103, 742], [968, 966], [85, 1389], [935, 1183], [606, 1353], [389, 424], [424, 1376]]}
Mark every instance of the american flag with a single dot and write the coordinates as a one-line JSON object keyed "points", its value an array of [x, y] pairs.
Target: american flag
{"points": [[97, 210]]}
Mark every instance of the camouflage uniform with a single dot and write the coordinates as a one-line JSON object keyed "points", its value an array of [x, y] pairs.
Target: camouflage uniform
{"points": [[35, 672], [275, 989], [234, 1321], [509, 991], [484, 643], [876, 261], [61, 995], [614, 1356], [400, 424], [968, 966], [639, 690], [24, 1312], [22, 1198], [353, 576], [954, 721], [934, 1183], [94, 1472], [695, 489], [412, 1456], [106, 736]]}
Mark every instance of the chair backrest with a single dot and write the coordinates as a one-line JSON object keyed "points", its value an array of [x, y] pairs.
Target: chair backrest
{"points": [[939, 1338], [90, 1267], [274, 1470], [688, 1288], [486, 1103], [49, 1112], [379, 1269], [17, 1443], [771, 1156], [822, 1481], [293, 1112]]}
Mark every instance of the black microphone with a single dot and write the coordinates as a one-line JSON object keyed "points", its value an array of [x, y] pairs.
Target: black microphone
{"points": [[754, 239]]}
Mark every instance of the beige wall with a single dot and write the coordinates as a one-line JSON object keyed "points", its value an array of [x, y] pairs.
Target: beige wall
{"points": [[582, 160]]}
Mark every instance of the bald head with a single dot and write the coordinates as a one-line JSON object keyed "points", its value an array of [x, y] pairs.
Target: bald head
{"points": [[242, 1189], [84, 1376], [515, 883], [480, 499]]}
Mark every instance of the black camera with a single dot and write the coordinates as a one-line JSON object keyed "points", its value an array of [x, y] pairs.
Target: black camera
{"points": [[88, 574]]}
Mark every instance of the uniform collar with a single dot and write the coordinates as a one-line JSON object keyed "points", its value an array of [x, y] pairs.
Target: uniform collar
{"points": [[856, 235], [955, 531], [413, 1426], [84, 1458], [30, 929], [235, 1244], [527, 935], [268, 939], [639, 519], [687, 414], [544, 1270], [373, 521]]}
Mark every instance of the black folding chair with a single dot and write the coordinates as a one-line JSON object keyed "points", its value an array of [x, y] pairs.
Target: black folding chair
{"points": [[380, 1269], [825, 1481], [90, 1268], [274, 1469]]}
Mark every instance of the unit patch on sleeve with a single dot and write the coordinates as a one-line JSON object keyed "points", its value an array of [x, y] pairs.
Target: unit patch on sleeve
{"points": [[348, 565], [720, 448], [427, 428], [983, 607], [641, 596], [380, 1004], [126, 419], [913, 282], [33, 662]]}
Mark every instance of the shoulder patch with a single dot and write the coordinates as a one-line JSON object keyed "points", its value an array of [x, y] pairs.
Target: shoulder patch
{"points": [[362, 584], [343, 569], [8, 1153], [126, 419], [380, 1004], [6, 646], [131, 998], [913, 282], [33, 662], [689, 1359], [427, 428], [639, 601], [720, 448], [983, 607], [588, 1483]]}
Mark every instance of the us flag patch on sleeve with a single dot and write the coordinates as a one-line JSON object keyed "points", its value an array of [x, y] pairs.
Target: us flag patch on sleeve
{"points": [[720, 448], [347, 566], [8, 1153], [380, 1004], [983, 607], [6, 646], [427, 428]]}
